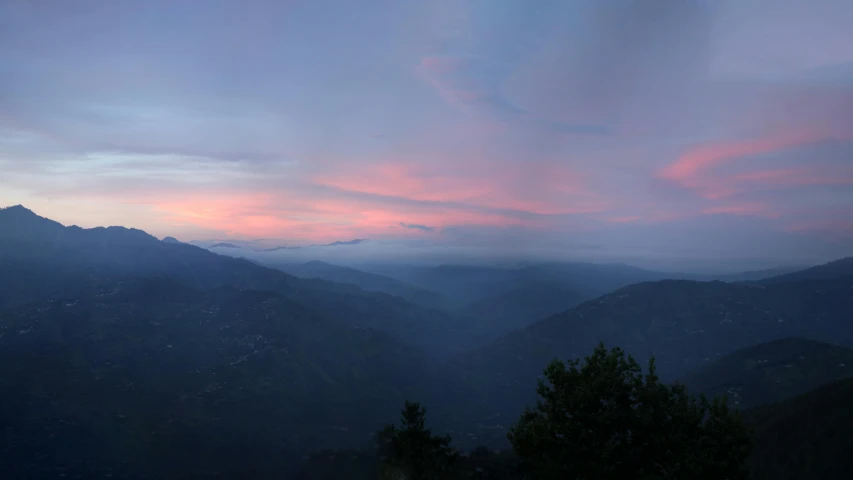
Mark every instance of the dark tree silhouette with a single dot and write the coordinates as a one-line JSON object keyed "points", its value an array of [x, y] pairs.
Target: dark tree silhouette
{"points": [[412, 452], [604, 419]]}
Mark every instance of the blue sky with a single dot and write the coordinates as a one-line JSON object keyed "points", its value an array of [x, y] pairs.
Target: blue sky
{"points": [[667, 128]]}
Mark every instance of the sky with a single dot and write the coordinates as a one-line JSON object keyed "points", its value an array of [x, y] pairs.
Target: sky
{"points": [[671, 129]]}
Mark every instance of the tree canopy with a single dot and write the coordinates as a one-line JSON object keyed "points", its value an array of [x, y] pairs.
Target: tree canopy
{"points": [[412, 452], [602, 418]]}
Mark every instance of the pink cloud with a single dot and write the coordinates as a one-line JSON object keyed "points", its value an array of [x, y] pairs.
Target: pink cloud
{"points": [[803, 176], [317, 218], [752, 209], [441, 65], [471, 193], [688, 168], [699, 168], [628, 219], [406, 181], [717, 187], [232, 214], [539, 188]]}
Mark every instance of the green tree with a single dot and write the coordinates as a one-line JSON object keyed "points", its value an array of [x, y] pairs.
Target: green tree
{"points": [[412, 452], [603, 419]]}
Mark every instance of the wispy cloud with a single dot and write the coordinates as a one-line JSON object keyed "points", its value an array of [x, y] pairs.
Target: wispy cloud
{"points": [[752, 209], [695, 162], [417, 227], [627, 126], [800, 176]]}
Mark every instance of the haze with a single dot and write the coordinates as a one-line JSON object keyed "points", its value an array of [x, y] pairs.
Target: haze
{"points": [[670, 132]]}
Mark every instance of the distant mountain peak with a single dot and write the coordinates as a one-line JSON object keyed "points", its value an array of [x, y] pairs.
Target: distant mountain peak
{"points": [[171, 240], [23, 225], [17, 220], [18, 211], [319, 263], [16, 208], [223, 245]]}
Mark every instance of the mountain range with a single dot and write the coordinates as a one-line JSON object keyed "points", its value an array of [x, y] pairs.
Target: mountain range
{"points": [[683, 324], [128, 356], [47, 260], [368, 281], [463, 285]]}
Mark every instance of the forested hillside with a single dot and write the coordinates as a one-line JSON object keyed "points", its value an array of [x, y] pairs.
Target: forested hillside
{"points": [[150, 370], [684, 324], [772, 371]]}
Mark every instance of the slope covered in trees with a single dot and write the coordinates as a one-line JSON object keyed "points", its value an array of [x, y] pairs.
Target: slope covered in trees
{"points": [[600, 418], [772, 371], [152, 376], [807, 437], [684, 324], [838, 268], [578, 430]]}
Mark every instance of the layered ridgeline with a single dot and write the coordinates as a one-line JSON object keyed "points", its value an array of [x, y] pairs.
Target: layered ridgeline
{"points": [[684, 324], [772, 371], [464, 285], [835, 269], [153, 378], [522, 306], [43, 259], [368, 281]]}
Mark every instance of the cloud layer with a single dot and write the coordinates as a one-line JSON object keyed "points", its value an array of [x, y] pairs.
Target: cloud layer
{"points": [[680, 128]]}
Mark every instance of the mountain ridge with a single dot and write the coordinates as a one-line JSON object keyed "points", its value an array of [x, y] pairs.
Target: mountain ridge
{"points": [[49, 259], [684, 324], [837, 268], [365, 280], [772, 371]]}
